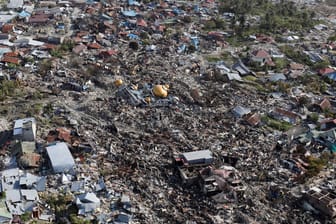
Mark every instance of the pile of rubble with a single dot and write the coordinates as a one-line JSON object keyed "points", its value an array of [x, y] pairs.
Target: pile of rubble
{"points": [[141, 112]]}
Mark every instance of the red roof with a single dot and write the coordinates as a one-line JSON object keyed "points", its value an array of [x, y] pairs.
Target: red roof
{"points": [[7, 28], [94, 46], [11, 54], [141, 22], [328, 120], [325, 71], [39, 18], [296, 66], [164, 4], [286, 113], [325, 104], [253, 120], [79, 48], [82, 33], [261, 54], [12, 60], [49, 46], [108, 53], [77, 39]]}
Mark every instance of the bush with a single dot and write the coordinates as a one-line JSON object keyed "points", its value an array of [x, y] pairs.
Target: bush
{"points": [[316, 165], [187, 19], [295, 55], [45, 66], [280, 63], [26, 216], [314, 117], [67, 45], [321, 65], [209, 25], [56, 53], [283, 87], [76, 220], [8, 88]]}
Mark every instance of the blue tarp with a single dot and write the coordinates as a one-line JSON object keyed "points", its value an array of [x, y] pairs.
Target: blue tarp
{"points": [[132, 2], [196, 8], [24, 14], [130, 13], [332, 76], [104, 16], [195, 42], [133, 36], [176, 11], [181, 48]]}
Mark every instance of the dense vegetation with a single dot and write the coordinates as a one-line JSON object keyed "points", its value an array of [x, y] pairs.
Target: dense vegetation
{"points": [[274, 17]]}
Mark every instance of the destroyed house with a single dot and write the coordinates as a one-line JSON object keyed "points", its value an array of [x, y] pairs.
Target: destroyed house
{"points": [[285, 115], [322, 200], [327, 124], [87, 203]]}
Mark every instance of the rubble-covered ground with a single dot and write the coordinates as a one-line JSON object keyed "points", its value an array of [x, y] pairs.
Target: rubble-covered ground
{"points": [[99, 82]]}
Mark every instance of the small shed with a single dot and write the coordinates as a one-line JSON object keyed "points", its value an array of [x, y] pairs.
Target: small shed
{"points": [[240, 111]]}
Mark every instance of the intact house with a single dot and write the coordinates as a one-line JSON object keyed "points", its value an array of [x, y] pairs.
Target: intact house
{"points": [[261, 57], [15, 4], [189, 164], [25, 129], [60, 158], [24, 148]]}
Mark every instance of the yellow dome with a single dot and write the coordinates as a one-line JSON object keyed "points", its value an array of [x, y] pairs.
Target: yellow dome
{"points": [[148, 99], [118, 82], [160, 91]]}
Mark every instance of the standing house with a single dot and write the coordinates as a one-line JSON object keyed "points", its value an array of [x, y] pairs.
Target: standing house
{"points": [[262, 57], [15, 4], [198, 157], [60, 157], [189, 164], [25, 129]]}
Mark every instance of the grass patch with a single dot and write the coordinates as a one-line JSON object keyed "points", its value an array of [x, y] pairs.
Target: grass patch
{"points": [[9, 88], [276, 124], [211, 58], [250, 78]]}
